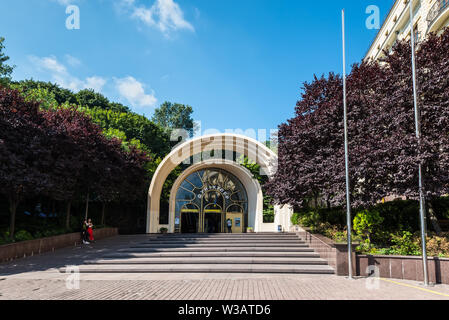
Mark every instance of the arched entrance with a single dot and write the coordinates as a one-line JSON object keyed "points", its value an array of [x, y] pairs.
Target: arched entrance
{"points": [[193, 214], [207, 199]]}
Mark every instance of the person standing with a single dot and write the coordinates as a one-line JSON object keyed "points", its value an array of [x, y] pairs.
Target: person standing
{"points": [[84, 233], [90, 230], [229, 224]]}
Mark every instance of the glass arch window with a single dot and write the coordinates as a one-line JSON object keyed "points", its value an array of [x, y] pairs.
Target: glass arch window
{"points": [[204, 199]]}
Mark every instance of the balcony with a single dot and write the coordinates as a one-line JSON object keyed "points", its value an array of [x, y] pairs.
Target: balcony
{"points": [[437, 14]]}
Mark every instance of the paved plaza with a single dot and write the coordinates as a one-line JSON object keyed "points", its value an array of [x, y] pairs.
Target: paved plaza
{"points": [[38, 277]]}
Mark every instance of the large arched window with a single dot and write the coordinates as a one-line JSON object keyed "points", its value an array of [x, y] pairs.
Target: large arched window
{"points": [[205, 197]]}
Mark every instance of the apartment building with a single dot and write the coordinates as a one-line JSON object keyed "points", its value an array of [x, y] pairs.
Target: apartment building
{"points": [[429, 16]]}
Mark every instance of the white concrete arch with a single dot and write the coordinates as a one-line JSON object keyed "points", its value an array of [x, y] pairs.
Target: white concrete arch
{"points": [[229, 143], [252, 187]]}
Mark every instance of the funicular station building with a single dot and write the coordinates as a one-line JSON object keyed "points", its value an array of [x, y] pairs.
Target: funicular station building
{"points": [[215, 188]]}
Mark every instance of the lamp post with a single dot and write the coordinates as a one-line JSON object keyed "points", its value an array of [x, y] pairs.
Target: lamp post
{"points": [[348, 195], [422, 206]]}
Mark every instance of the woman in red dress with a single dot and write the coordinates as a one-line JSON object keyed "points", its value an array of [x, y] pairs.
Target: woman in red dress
{"points": [[90, 230]]}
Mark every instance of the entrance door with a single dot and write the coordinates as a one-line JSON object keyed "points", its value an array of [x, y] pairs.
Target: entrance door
{"points": [[235, 214], [213, 212], [204, 199], [189, 219], [212, 222]]}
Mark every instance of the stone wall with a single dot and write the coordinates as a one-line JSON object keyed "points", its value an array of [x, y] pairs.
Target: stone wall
{"points": [[404, 267], [392, 267], [23, 249], [336, 254]]}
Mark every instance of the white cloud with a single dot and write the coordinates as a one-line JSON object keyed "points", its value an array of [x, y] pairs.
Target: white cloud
{"points": [[62, 76], [134, 92], [128, 88], [72, 61], [96, 83], [165, 15], [145, 15], [65, 2]]}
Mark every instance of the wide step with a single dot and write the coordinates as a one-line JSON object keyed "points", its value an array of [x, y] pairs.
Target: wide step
{"points": [[209, 268], [215, 240], [217, 249], [212, 253], [212, 260], [226, 238], [220, 245]]}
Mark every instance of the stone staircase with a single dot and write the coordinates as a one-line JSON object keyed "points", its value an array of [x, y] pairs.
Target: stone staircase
{"points": [[213, 253]]}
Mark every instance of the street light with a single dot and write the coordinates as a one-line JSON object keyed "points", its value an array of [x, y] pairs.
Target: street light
{"points": [[348, 195], [422, 206]]}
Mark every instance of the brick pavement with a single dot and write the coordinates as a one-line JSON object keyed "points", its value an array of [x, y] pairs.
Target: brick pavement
{"points": [[38, 278]]}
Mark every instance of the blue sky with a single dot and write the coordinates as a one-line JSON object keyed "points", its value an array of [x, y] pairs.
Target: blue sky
{"points": [[238, 63]]}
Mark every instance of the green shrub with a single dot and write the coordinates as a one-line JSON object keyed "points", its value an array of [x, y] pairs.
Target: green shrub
{"points": [[310, 219], [163, 230], [335, 216], [38, 235], [295, 219], [405, 245], [334, 233], [268, 217], [365, 224], [438, 246], [366, 248], [399, 215], [23, 235]]}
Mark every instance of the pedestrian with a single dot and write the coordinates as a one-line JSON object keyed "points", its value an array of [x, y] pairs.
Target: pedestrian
{"points": [[229, 224], [84, 233], [90, 230]]}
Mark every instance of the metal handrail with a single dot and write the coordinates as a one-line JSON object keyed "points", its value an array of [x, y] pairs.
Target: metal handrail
{"points": [[436, 10]]}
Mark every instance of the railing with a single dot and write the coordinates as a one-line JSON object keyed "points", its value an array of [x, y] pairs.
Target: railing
{"points": [[436, 10]]}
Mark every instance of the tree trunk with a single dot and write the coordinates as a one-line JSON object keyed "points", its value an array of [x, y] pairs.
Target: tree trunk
{"points": [[87, 206], [315, 200], [13, 203], [434, 219], [103, 212], [67, 217]]}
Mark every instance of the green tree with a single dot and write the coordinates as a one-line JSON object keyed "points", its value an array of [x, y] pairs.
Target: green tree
{"points": [[366, 222], [175, 116], [61, 95], [5, 70], [134, 127], [91, 99], [44, 96]]}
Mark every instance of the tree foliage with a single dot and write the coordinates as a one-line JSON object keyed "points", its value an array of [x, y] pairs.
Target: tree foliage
{"points": [[384, 151], [175, 116], [60, 95], [61, 153], [133, 127], [91, 99], [5, 69]]}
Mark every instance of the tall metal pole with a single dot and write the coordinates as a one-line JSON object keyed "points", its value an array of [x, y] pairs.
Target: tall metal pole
{"points": [[422, 206], [348, 195]]}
